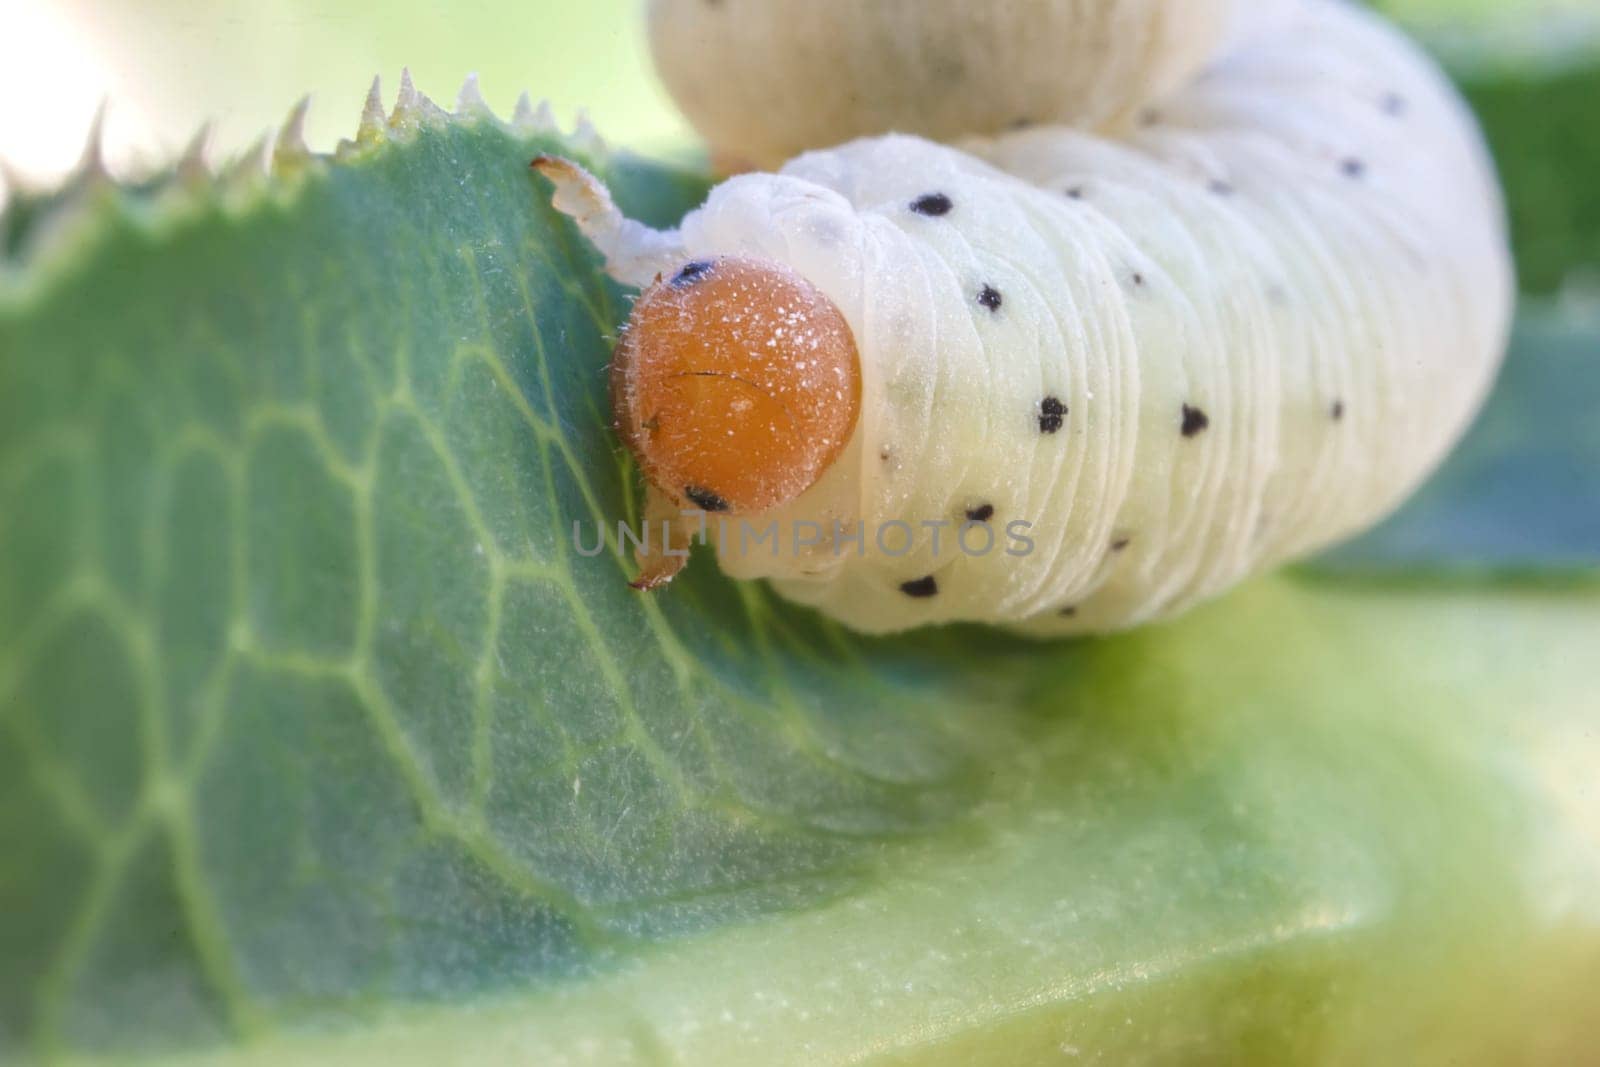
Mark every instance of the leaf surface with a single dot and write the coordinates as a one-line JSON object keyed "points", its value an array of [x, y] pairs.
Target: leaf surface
{"points": [[320, 737]]}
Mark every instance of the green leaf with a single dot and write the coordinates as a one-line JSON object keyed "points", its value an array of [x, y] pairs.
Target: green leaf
{"points": [[1371, 846], [308, 702], [320, 740]]}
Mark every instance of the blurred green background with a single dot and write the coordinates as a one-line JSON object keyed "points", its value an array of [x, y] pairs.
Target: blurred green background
{"points": [[166, 66]]}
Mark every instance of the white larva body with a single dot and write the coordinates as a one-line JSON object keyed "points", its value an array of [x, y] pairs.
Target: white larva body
{"points": [[763, 82], [1245, 331]]}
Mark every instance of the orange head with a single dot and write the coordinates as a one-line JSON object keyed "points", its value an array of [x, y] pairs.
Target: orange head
{"points": [[736, 384]]}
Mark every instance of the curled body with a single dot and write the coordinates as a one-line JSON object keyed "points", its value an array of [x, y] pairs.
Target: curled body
{"points": [[827, 71], [1140, 368]]}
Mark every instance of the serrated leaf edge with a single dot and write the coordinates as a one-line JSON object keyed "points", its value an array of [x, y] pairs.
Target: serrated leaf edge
{"points": [[272, 166]]}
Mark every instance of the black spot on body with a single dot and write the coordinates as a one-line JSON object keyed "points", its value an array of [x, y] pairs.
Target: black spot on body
{"points": [[1219, 187], [932, 204], [705, 499], [1052, 415], [981, 513], [1136, 278], [990, 298], [1353, 168], [690, 273], [1336, 412], [921, 588], [1076, 192], [1149, 117], [1120, 543], [1194, 421], [1068, 612]]}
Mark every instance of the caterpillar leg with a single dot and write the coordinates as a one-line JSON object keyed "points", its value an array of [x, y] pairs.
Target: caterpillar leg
{"points": [[635, 254], [665, 551]]}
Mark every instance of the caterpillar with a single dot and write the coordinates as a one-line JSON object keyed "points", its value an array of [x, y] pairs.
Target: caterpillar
{"points": [[1228, 296], [827, 71]]}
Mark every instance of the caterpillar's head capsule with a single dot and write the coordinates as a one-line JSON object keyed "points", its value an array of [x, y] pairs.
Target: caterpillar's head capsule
{"points": [[736, 383]]}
